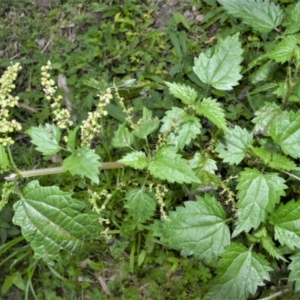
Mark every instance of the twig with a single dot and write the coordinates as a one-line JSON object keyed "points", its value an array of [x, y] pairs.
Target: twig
{"points": [[31, 109], [275, 295], [291, 174], [104, 285], [56, 170], [18, 54], [47, 45]]}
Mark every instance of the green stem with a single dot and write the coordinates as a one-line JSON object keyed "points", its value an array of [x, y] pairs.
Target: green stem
{"points": [[206, 91], [132, 253], [291, 174], [12, 162], [291, 81], [114, 231], [109, 198], [229, 220], [147, 146], [289, 84]]}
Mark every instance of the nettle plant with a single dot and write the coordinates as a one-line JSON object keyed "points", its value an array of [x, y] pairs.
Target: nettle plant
{"points": [[227, 236]]}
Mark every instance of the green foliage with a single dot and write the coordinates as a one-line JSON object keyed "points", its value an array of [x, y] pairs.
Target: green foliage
{"points": [[3, 158], [240, 272], [220, 66], [284, 51], [274, 160], [146, 125], [261, 15], [285, 131], [168, 165], [285, 220], [7, 229], [258, 194], [233, 150], [183, 127], [51, 221], [140, 205], [199, 228], [212, 110], [175, 192], [294, 268], [122, 137], [83, 162], [46, 138], [135, 159], [183, 92], [264, 116]]}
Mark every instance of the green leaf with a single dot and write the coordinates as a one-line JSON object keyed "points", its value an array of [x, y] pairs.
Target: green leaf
{"points": [[240, 271], [171, 118], [122, 137], [184, 42], [269, 245], [146, 125], [281, 162], [237, 141], [284, 50], [205, 167], [262, 73], [265, 240], [95, 84], [263, 88], [285, 131], [282, 89], [116, 112], [176, 43], [198, 228], [8, 283], [51, 220], [292, 28], [286, 221], [183, 92], [168, 165], [4, 162], [213, 111], [264, 116], [295, 13], [190, 127], [46, 138], [261, 15], [14, 279], [140, 205], [72, 138], [294, 267], [83, 162], [182, 127], [204, 273], [258, 193], [274, 160], [202, 161], [180, 18], [220, 66], [135, 159]]}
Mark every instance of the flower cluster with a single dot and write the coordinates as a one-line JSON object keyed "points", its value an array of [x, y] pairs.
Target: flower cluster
{"points": [[91, 127], [160, 193], [230, 194], [127, 111], [62, 116], [6, 190], [97, 197], [7, 100]]}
